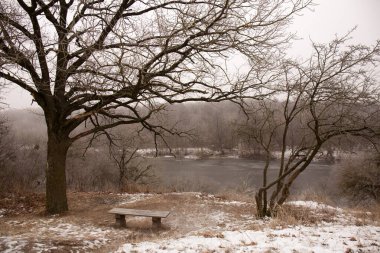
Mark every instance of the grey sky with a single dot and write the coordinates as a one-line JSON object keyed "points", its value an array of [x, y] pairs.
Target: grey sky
{"points": [[329, 17]]}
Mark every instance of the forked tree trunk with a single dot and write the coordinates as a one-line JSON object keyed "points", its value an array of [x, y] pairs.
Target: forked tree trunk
{"points": [[263, 208], [262, 195], [56, 199]]}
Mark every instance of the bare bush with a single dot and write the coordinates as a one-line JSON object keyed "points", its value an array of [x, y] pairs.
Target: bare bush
{"points": [[21, 166], [91, 170], [359, 179], [132, 168]]}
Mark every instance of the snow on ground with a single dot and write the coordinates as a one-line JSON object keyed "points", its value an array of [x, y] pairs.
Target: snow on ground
{"points": [[2, 212], [45, 235], [132, 198], [330, 238], [58, 234], [210, 198], [339, 215], [191, 157], [212, 228], [187, 153], [337, 236], [12, 244], [314, 205]]}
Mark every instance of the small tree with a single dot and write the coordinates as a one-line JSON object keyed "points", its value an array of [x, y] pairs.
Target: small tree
{"points": [[332, 94], [131, 167]]}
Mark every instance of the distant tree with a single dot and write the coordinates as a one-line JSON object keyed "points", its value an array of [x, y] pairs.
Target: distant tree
{"points": [[131, 166], [332, 94], [7, 151], [100, 64]]}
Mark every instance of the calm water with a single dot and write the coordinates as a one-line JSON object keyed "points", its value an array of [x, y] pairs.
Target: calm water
{"points": [[217, 174]]}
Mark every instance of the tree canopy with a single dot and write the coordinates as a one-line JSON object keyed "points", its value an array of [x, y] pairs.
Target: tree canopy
{"points": [[100, 63]]}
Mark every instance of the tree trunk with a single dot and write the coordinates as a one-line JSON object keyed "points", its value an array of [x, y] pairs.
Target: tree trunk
{"points": [[56, 199], [261, 204], [262, 195]]}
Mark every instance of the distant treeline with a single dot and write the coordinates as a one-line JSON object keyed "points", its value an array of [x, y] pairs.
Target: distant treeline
{"points": [[220, 127]]}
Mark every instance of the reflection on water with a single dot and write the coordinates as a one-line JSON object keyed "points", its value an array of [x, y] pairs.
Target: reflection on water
{"points": [[228, 173]]}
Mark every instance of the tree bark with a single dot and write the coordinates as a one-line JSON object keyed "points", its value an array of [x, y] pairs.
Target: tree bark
{"points": [[56, 199], [261, 204]]}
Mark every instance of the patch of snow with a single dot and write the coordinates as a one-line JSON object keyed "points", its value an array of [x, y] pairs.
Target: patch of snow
{"points": [[191, 157], [146, 151], [14, 223], [340, 216], [2, 212], [219, 216], [333, 238], [232, 203], [69, 230], [12, 244], [314, 205], [46, 235], [132, 198], [197, 194], [233, 156], [212, 199]]}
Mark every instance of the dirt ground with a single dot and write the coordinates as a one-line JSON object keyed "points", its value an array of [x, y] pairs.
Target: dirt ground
{"points": [[88, 226]]}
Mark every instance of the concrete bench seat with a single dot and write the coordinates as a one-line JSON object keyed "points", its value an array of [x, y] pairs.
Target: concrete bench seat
{"points": [[120, 214]]}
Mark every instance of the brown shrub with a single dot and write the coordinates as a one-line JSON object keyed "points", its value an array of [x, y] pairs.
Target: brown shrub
{"points": [[359, 179]]}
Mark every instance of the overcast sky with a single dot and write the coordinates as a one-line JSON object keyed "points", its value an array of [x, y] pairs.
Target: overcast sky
{"points": [[328, 18], [336, 17]]}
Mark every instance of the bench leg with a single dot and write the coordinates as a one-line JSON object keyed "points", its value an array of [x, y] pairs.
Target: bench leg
{"points": [[120, 220], [156, 222]]}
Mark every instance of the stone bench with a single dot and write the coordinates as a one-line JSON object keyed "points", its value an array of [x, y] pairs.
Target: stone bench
{"points": [[120, 214]]}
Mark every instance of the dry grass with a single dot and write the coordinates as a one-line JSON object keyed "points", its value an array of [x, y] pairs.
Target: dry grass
{"points": [[313, 195], [290, 215], [210, 234], [21, 204], [235, 196], [366, 216]]}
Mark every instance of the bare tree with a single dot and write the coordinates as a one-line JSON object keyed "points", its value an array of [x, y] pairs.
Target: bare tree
{"points": [[332, 94], [131, 166], [94, 65], [6, 148], [7, 151], [261, 128]]}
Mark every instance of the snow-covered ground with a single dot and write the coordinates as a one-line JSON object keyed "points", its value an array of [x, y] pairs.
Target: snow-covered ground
{"points": [[215, 226], [323, 238], [337, 236], [2, 212], [133, 198], [46, 236]]}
